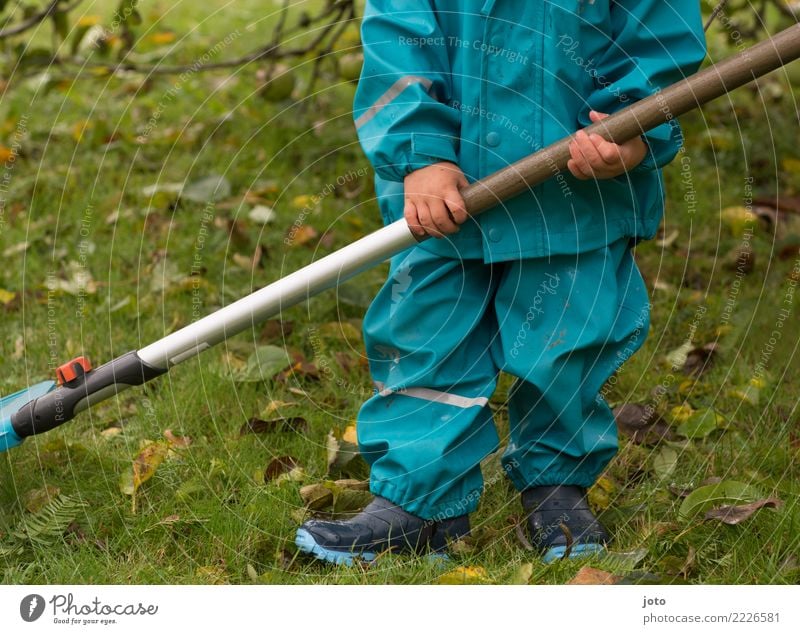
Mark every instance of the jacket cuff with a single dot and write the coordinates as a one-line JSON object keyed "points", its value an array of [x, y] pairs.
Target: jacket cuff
{"points": [[663, 144], [427, 149]]}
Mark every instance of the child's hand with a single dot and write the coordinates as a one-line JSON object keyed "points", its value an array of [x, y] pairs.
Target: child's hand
{"points": [[594, 157], [433, 204]]}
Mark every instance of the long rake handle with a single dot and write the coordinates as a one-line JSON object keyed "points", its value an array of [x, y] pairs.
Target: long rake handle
{"points": [[135, 368]]}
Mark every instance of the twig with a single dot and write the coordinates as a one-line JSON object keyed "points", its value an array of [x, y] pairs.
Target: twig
{"points": [[37, 18], [717, 10], [270, 51]]}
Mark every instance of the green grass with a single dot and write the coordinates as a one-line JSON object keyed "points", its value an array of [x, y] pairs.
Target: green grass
{"points": [[207, 516]]}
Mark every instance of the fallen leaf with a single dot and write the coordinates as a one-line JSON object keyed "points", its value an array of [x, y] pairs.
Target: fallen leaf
{"points": [[742, 259], [342, 452], [144, 466], [6, 297], [588, 576], [160, 187], [641, 423], [668, 240], [316, 496], [699, 360], [261, 214], [263, 364], [681, 413], [726, 492], [279, 466], [303, 201], [211, 188], [522, 575], [464, 575], [677, 358], [276, 329], [701, 423], [664, 462], [599, 494], [734, 514], [302, 235], [177, 441], [255, 425], [164, 37]]}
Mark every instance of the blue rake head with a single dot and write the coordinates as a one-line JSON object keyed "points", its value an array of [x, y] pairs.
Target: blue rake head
{"points": [[9, 405]]}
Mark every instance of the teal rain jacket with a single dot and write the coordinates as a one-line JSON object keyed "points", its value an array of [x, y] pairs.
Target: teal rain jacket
{"points": [[485, 83]]}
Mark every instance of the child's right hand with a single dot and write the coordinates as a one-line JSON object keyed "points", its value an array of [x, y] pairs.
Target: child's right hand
{"points": [[433, 203]]}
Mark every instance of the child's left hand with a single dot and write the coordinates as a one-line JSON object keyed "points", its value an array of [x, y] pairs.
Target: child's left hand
{"points": [[594, 157]]}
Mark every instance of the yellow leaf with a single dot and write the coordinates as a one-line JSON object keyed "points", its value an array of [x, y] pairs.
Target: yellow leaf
{"points": [[144, 466], [165, 37], [304, 200], [464, 575], [599, 494], [758, 382], [791, 165], [350, 434], [88, 20], [681, 413], [79, 129], [6, 296]]}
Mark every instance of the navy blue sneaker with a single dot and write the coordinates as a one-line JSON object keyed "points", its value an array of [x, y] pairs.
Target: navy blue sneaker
{"points": [[381, 526], [550, 510]]}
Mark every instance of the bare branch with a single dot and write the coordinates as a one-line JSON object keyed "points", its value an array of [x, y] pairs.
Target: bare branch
{"points": [[37, 18]]}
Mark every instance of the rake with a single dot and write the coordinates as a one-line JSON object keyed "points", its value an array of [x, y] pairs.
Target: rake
{"points": [[49, 404]]}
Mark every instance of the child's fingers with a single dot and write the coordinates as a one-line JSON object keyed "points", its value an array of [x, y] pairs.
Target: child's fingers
{"points": [[576, 171], [597, 116], [587, 148], [610, 153], [579, 167], [424, 214], [412, 218], [441, 217], [455, 203]]}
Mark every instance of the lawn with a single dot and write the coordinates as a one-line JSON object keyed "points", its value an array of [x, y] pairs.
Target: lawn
{"points": [[101, 255]]}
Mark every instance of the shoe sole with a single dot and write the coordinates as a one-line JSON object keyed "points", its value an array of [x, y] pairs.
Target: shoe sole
{"points": [[307, 544], [578, 551]]}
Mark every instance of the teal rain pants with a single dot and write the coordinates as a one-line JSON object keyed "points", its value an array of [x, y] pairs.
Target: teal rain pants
{"points": [[438, 334]]}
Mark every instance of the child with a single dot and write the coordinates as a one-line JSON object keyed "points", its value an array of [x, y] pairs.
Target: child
{"points": [[543, 286]]}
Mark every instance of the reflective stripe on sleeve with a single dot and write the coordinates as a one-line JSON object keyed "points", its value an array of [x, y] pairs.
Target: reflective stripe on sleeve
{"points": [[394, 90]]}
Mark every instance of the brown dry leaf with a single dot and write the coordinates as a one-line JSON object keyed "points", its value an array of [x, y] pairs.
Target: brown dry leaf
{"points": [[300, 367], [144, 466], [303, 235], [641, 423], [276, 406], [733, 515], [316, 496], [700, 359], [259, 426], [177, 441], [588, 576], [279, 466], [276, 329]]}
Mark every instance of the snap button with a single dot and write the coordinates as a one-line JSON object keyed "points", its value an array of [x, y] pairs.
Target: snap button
{"points": [[495, 235], [493, 139]]}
